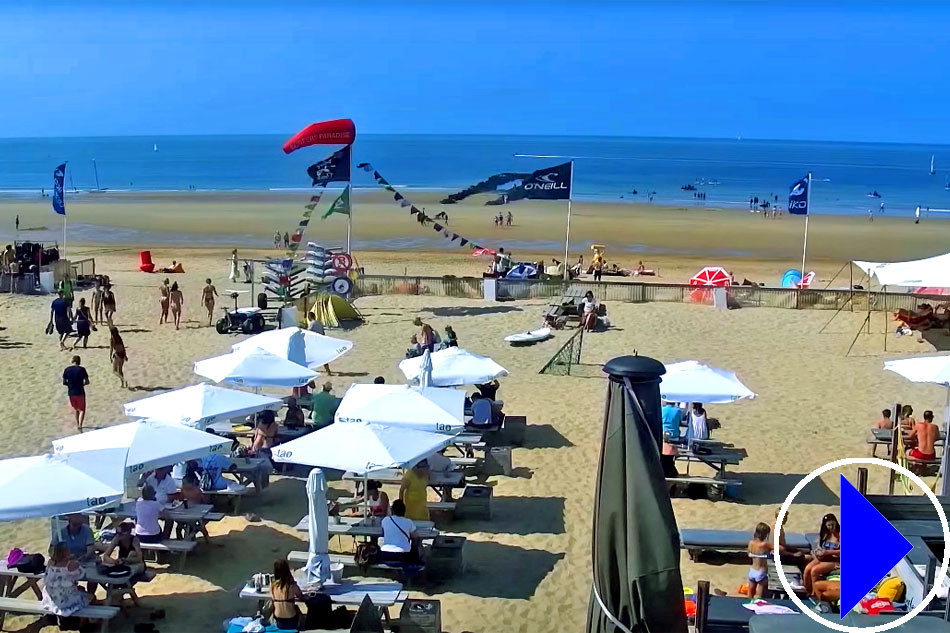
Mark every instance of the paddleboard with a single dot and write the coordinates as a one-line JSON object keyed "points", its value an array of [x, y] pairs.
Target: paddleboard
{"points": [[529, 337]]}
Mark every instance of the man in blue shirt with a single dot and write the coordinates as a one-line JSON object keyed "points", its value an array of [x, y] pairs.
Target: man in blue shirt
{"points": [[672, 417], [77, 535]]}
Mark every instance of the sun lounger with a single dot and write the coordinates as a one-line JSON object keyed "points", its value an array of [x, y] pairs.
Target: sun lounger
{"points": [[34, 607], [696, 541]]}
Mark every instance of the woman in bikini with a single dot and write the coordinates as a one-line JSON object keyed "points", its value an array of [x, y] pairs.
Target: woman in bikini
{"points": [[265, 435], [83, 324], [827, 556], [284, 593], [118, 354], [108, 303], [175, 300], [163, 297], [759, 549], [208, 293]]}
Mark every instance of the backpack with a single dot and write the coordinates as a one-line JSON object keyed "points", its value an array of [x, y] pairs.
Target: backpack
{"points": [[366, 554], [31, 564]]}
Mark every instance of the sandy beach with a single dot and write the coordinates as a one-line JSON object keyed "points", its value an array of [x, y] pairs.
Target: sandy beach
{"points": [[529, 565]]}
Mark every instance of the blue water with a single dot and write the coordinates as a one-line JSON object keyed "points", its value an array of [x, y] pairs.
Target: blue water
{"points": [[607, 169]]}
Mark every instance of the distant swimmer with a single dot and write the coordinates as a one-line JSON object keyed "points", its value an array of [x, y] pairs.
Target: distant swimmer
{"points": [[917, 215]]}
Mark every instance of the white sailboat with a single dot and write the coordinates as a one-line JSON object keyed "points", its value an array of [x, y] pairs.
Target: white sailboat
{"points": [[932, 172], [155, 147]]}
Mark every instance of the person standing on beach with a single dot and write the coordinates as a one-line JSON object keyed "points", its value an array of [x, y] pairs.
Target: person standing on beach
{"points": [[286, 239], [164, 292], [118, 354], [917, 215], [75, 378], [276, 239], [108, 303], [97, 302], [83, 324], [233, 269], [176, 299], [61, 317], [18, 222], [511, 218], [208, 293]]}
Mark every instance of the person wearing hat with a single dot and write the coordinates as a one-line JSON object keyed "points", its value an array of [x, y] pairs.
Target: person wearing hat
{"points": [[324, 405]]}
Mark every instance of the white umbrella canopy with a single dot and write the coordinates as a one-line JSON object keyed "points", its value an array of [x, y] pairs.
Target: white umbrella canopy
{"points": [[361, 447], [692, 381], [453, 366], [300, 346], [423, 408], [317, 568], [254, 367], [200, 405], [50, 485], [148, 444]]}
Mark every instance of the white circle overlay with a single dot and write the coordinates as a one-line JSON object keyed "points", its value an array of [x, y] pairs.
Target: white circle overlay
{"points": [[892, 623]]}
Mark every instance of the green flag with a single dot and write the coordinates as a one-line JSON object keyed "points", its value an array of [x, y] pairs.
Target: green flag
{"points": [[340, 205]]}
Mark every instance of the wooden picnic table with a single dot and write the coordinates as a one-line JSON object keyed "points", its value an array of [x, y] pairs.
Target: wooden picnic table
{"points": [[717, 458], [31, 582], [384, 594], [193, 513], [8, 582], [227, 429], [441, 482], [370, 527], [884, 437]]}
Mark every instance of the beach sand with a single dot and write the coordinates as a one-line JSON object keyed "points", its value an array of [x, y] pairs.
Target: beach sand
{"points": [[528, 569]]}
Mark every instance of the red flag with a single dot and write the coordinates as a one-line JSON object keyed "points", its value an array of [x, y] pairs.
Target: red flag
{"points": [[335, 132]]}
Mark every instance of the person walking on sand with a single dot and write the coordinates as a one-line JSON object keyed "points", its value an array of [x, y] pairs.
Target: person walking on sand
{"points": [[75, 378], [233, 269], [18, 222], [208, 293], [917, 215], [97, 302], [176, 299], [510, 218], [83, 324], [276, 239], [286, 239], [108, 303], [118, 354], [164, 291], [61, 317]]}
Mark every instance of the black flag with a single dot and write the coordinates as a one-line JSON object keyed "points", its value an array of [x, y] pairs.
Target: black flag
{"points": [[553, 183], [336, 168], [798, 197]]}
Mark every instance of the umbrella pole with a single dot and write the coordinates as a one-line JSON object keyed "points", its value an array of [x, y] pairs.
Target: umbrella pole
{"points": [[945, 481], [365, 495]]}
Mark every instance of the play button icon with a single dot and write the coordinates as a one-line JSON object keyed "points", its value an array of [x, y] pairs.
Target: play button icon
{"points": [[871, 546]]}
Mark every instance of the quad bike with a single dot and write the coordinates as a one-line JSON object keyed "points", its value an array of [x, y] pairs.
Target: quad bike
{"points": [[244, 320]]}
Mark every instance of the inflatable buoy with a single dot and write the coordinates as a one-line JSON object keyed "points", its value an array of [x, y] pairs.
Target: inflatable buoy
{"points": [[341, 286]]}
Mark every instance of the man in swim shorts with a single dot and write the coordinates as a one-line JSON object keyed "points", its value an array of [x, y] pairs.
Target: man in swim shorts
{"points": [[75, 378], [926, 433]]}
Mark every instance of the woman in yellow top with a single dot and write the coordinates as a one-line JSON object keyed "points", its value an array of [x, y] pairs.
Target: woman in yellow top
{"points": [[412, 491]]}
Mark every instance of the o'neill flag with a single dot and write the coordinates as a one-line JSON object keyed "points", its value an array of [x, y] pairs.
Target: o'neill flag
{"points": [[336, 168], [59, 201], [798, 197], [552, 183]]}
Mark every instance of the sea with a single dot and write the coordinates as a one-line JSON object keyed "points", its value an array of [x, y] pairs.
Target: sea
{"points": [[848, 178]]}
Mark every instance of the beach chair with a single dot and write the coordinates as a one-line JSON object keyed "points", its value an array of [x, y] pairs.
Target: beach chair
{"points": [[145, 262]]}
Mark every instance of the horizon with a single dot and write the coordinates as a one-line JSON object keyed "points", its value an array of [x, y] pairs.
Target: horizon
{"points": [[721, 70]]}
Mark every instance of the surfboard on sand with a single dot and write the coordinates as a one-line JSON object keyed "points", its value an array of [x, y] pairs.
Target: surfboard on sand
{"points": [[533, 336]]}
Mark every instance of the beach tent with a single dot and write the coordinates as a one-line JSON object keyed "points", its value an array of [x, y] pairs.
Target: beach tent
{"points": [[300, 346], [454, 366], [200, 405], [932, 271], [334, 310], [254, 368], [50, 485], [423, 408], [692, 381], [148, 444], [636, 560], [361, 448], [317, 568], [936, 370]]}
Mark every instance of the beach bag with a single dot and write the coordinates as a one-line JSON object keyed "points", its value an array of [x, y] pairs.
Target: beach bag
{"points": [[14, 557], [319, 612], [31, 564], [366, 554]]}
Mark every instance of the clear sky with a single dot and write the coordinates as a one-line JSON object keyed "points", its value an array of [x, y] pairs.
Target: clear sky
{"points": [[861, 71]]}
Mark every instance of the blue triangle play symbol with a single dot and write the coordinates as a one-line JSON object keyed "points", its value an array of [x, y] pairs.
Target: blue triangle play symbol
{"points": [[871, 546]]}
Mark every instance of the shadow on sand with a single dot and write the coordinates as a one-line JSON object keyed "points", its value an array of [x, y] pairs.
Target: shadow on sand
{"points": [[460, 311], [544, 436], [518, 515], [773, 488]]}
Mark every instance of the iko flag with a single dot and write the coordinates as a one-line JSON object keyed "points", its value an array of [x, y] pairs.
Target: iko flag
{"points": [[340, 205], [798, 197], [59, 199], [336, 168]]}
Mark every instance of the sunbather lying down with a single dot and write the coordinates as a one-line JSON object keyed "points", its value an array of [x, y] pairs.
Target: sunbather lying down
{"points": [[176, 267], [924, 317]]}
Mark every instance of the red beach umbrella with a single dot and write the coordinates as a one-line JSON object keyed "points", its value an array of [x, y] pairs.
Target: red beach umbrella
{"points": [[708, 276]]}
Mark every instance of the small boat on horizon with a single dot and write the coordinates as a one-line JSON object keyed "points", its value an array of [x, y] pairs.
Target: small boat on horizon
{"points": [[155, 147], [874, 194]]}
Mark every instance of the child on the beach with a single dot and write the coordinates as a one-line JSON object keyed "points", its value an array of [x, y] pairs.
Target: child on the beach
{"points": [[759, 549]]}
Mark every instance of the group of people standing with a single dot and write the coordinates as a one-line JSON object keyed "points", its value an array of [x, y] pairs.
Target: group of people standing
{"points": [[278, 240]]}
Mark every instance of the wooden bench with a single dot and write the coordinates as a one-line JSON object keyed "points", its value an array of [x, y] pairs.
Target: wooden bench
{"points": [[434, 506], [233, 497], [34, 607], [182, 548]]}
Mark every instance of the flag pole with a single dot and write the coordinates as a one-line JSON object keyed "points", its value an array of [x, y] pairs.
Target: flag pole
{"points": [[349, 216], [807, 213], [567, 235]]}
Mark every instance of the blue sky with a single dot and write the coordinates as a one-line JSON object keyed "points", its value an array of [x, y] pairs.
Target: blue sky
{"points": [[770, 70]]}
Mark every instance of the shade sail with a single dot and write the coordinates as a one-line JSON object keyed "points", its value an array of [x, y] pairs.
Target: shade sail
{"points": [[50, 485], [200, 405], [932, 271], [636, 580], [148, 444], [452, 367], [254, 368], [692, 381], [361, 448], [300, 346], [317, 568], [433, 409]]}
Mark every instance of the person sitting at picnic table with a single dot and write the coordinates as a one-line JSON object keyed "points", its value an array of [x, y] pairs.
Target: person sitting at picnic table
{"points": [[192, 495], [377, 501], [488, 390], [61, 593], [415, 349], [451, 338], [907, 418], [78, 537], [161, 481], [885, 422], [325, 405], [672, 418], [827, 556], [147, 511], [759, 549], [589, 312], [412, 491], [924, 435], [302, 393], [265, 435], [397, 544], [284, 593], [295, 417], [125, 549]]}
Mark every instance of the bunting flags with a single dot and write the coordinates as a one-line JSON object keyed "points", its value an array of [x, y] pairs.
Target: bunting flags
{"points": [[297, 236], [420, 215], [340, 205]]}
